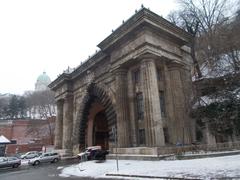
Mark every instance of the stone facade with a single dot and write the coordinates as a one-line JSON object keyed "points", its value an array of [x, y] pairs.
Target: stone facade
{"points": [[139, 83]]}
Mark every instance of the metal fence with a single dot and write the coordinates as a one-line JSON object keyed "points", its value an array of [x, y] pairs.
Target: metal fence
{"points": [[201, 147]]}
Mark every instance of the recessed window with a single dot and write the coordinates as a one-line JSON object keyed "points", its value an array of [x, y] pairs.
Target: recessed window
{"points": [[162, 103], [159, 74], [136, 76], [166, 135], [142, 140], [139, 105]]}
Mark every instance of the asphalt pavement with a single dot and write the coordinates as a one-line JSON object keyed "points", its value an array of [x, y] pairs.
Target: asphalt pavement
{"points": [[42, 172]]}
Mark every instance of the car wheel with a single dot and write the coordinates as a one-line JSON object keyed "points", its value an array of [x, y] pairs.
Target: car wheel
{"points": [[36, 163], [15, 165], [55, 160]]}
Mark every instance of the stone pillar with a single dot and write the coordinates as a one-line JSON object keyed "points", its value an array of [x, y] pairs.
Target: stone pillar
{"points": [[131, 98], [59, 126], [122, 108], [180, 124], [152, 112], [169, 106], [77, 103], [189, 124], [67, 122], [210, 138]]}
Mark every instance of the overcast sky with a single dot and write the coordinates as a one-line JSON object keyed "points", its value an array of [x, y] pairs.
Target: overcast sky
{"points": [[50, 35]]}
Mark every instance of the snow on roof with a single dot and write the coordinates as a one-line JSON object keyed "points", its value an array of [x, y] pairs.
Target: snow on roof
{"points": [[3, 139]]}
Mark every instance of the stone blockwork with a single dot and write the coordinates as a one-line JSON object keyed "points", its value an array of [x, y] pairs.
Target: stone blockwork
{"points": [[140, 80]]}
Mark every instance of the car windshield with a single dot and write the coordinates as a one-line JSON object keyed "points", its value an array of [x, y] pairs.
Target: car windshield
{"points": [[2, 159]]}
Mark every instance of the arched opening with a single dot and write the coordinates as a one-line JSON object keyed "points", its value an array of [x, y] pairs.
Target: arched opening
{"points": [[97, 119], [96, 132], [100, 130]]}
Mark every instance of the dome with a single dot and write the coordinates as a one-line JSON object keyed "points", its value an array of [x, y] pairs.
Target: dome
{"points": [[44, 78], [42, 83]]}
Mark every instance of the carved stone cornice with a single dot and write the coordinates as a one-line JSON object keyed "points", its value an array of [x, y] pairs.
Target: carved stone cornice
{"points": [[66, 77], [120, 71], [63, 78], [143, 18]]}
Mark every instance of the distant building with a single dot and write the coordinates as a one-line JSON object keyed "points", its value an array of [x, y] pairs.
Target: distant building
{"points": [[27, 134], [42, 83]]}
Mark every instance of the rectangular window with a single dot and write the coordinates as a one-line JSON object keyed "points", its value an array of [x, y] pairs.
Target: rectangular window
{"points": [[142, 137], [159, 75], [162, 103], [140, 109], [166, 135], [136, 76]]}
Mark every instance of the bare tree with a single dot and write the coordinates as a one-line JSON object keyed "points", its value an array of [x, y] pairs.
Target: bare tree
{"points": [[191, 25], [202, 18], [41, 105]]}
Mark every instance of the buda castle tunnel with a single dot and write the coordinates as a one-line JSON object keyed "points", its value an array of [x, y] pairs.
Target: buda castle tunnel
{"points": [[138, 86]]}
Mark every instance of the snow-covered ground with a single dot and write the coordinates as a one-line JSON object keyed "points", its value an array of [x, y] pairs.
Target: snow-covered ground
{"points": [[207, 168]]}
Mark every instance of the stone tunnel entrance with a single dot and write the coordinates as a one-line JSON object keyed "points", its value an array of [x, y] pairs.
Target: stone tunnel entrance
{"points": [[97, 127], [97, 118], [100, 130]]}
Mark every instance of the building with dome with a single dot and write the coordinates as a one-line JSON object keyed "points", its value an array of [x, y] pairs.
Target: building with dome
{"points": [[42, 83]]}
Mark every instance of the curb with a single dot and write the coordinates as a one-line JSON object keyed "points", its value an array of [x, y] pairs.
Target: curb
{"points": [[152, 177], [67, 158]]}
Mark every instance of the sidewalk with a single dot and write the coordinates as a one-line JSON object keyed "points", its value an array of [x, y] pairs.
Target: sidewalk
{"points": [[205, 168]]}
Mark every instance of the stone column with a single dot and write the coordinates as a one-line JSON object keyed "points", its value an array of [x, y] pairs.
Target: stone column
{"points": [[189, 123], [122, 108], [169, 106], [152, 112], [76, 123], [131, 98], [59, 125], [210, 139], [67, 122], [180, 125]]}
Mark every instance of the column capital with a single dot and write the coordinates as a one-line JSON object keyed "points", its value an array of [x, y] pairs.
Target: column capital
{"points": [[60, 101], [174, 66], [68, 97], [148, 57], [120, 71]]}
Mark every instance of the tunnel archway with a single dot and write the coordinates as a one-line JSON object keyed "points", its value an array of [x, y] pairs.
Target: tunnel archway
{"points": [[96, 108]]}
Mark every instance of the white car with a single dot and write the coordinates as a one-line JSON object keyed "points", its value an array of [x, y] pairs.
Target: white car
{"points": [[30, 155], [9, 162], [52, 157], [89, 153]]}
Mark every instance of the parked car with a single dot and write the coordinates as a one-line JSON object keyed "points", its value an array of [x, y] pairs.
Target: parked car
{"points": [[52, 157], [100, 155], [30, 155], [13, 162], [89, 153]]}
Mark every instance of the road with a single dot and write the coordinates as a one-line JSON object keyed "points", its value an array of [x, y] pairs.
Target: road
{"points": [[41, 172]]}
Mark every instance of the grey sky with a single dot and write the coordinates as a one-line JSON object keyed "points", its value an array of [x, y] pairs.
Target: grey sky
{"points": [[50, 35]]}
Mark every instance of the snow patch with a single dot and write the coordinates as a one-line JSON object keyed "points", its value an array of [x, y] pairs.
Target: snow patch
{"points": [[206, 168]]}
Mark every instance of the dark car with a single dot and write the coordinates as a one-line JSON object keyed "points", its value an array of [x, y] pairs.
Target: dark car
{"points": [[13, 162], [100, 155], [89, 153]]}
